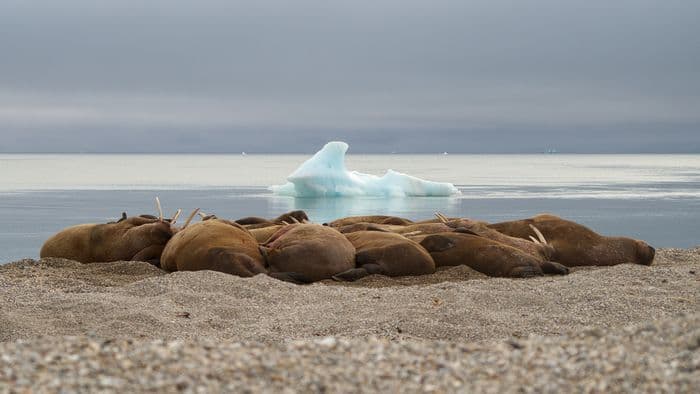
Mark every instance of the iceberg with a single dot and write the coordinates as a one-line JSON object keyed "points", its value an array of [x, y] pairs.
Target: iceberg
{"points": [[325, 175]]}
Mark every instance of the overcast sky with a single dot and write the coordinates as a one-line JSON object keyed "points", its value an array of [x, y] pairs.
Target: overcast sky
{"points": [[403, 75]]}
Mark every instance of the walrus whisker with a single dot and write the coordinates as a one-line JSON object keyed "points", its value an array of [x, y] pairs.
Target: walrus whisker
{"points": [[175, 216], [189, 218], [160, 209], [540, 236]]}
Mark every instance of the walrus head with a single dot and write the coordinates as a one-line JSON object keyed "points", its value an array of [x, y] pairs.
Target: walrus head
{"points": [[297, 216], [645, 253]]}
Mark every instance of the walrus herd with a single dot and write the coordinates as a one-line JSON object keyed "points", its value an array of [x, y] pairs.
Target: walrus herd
{"points": [[293, 249]]}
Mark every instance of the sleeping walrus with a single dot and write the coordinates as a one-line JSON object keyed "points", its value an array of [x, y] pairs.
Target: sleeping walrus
{"points": [[139, 238], [387, 254], [536, 247], [461, 247], [297, 216], [376, 219], [309, 251], [214, 244], [575, 245]]}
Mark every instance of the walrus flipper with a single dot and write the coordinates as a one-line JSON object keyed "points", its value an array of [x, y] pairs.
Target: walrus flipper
{"points": [[292, 277], [351, 275], [150, 254], [526, 271], [354, 274], [550, 267], [229, 261]]}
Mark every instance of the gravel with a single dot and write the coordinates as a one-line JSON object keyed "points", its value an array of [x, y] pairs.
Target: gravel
{"points": [[128, 326]]}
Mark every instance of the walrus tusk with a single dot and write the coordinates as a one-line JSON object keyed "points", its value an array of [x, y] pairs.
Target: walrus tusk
{"points": [[175, 216], [534, 240], [304, 221], [412, 233], [160, 209], [441, 217], [540, 236], [285, 223], [189, 218], [202, 214], [295, 220]]}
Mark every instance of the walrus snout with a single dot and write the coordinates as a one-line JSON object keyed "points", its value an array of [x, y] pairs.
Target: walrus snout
{"points": [[161, 232], [645, 254]]}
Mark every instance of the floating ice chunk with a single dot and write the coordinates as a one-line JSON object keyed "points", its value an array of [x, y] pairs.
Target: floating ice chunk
{"points": [[325, 175]]}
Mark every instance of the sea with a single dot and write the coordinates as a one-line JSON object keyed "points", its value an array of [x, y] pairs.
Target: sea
{"points": [[651, 197]]}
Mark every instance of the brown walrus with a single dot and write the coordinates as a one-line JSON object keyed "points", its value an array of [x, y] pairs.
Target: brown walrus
{"points": [[214, 244], [577, 245], [538, 247], [139, 238], [351, 228], [298, 216], [377, 219], [387, 254], [411, 229], [311, 251], [262, 234], [485, 255]]}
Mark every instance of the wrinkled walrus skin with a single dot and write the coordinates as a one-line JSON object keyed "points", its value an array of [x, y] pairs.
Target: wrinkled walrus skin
{"points": [[297, 216], [577, 245], [310, 251], [387, 254], [485, 255], [214, 244], [537, 250], [134, 238], [376, 219]]}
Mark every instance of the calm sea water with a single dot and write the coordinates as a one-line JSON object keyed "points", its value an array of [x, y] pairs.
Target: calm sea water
{"points": [[652, 197]]}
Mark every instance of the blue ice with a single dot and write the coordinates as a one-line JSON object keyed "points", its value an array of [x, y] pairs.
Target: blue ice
{"points": [[325, 175]]}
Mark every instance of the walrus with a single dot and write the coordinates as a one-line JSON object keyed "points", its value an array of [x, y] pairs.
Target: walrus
{"points": [[576, 245], [312, 251], [387, 254], [351, 228], [485, 255], [537, 247], [377, 219], [135, 238], [297, 216], [262, 234], [214, 244], [411, 229]]}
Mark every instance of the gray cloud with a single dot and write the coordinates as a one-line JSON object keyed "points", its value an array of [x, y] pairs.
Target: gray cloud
{"points": [[472, 76]]}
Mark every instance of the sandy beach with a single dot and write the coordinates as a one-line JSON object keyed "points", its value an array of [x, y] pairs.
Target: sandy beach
{"points": [[129, 326]]}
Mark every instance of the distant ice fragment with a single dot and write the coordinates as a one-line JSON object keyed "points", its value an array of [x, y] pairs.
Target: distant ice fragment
{"points": [[325, 175]]}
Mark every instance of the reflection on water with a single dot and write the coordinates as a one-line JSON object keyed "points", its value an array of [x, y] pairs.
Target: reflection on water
{"points": [[30, 218], [326, 209]]}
